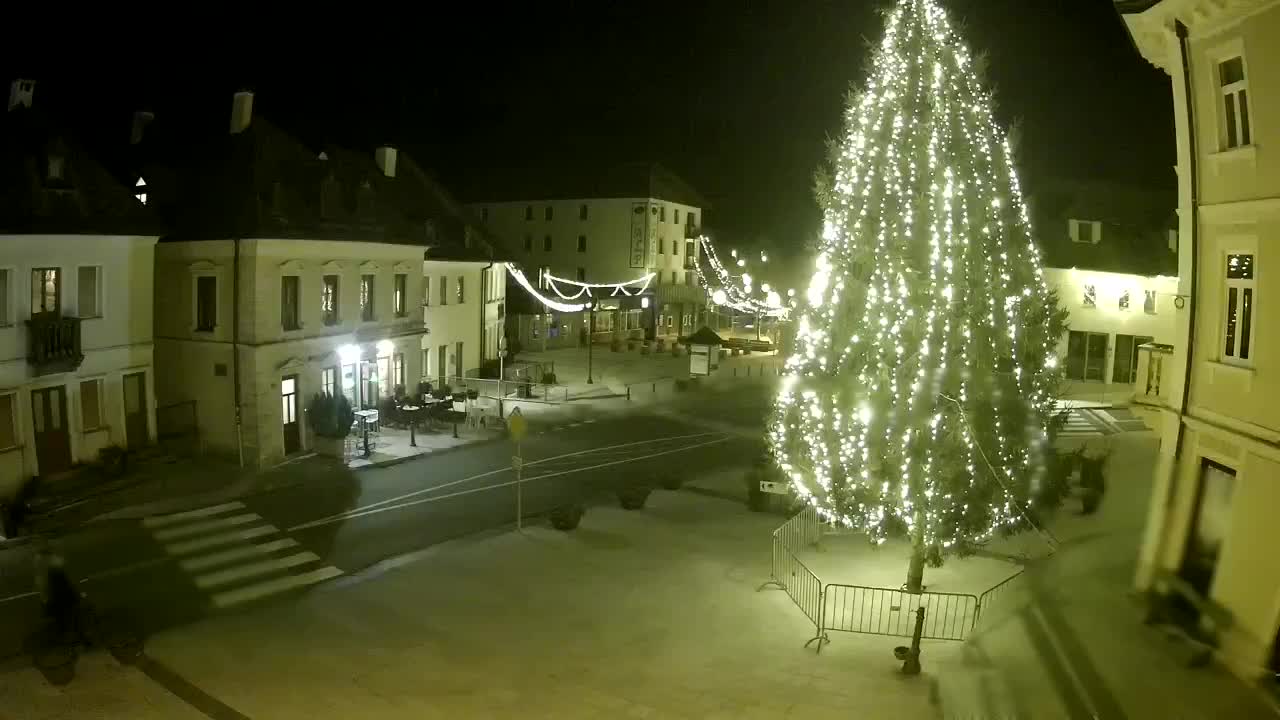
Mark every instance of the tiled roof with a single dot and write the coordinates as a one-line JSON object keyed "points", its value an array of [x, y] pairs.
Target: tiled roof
{"points": [[627, 180], [1135, 226]]}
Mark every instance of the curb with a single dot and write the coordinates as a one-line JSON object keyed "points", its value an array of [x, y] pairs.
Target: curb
{"points": [[419, 456]]}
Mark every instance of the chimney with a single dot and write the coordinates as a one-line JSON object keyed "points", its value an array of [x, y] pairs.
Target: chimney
{"points": [[385, 156], [141, 119], [20, 92], [241, 111]]}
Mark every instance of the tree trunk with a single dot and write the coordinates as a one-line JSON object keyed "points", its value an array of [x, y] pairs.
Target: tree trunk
{"points": [[915, 571]]}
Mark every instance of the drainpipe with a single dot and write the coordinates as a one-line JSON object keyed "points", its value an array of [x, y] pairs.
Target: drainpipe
{"points": [[484, 301], [235, 345]]}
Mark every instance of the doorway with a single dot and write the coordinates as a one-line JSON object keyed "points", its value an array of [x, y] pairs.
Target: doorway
{"points": [[457, 361], [135, 411], [49, 423], [442, 364], [1209, 526], [289, 414], [1086, 355], [1125, 368]]}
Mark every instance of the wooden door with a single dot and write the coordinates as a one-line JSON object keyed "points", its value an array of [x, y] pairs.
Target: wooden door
{"points": [[49, 423], [135, 410], [289, 414]]}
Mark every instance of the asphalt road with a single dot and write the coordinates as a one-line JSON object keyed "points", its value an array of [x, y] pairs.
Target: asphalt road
{"points": [[160, 572]]}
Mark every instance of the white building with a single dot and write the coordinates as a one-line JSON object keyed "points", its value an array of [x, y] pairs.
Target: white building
{"points": [[625, 222], [292, 273], [1111, 255], [75, 303], [1211, 526]]}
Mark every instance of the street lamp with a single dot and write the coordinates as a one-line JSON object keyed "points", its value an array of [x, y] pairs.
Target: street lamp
{"points": [[591, 327]]}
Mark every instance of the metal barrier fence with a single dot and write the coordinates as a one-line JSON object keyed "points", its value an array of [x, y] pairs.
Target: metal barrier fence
{"points": [[881, 611], [871, 610], [510, 389]]}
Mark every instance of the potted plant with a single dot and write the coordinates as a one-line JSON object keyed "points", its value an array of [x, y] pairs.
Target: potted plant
{"points": [[424, 390], [633, 497], [567, 517], [330, 419], [443, 392], [473, 394]]}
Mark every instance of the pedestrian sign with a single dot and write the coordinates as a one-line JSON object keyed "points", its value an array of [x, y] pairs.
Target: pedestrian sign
{"points": [[517, 426]]}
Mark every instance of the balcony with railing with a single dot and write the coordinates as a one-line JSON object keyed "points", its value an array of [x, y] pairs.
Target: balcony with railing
{"points": [[53, 343]]}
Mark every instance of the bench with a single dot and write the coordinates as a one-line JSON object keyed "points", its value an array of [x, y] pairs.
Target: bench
{"points": [[1202, 631]]}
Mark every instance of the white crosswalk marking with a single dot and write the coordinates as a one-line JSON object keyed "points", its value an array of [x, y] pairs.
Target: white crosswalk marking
{"points": [[235, 554]]}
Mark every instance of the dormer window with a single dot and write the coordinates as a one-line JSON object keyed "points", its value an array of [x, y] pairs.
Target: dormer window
{"points": [[56, 167], [1085, 231], [140, 191]]}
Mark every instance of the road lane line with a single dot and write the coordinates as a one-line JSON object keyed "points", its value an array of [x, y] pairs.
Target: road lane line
{"points": [[243, 572], [452, 483], [223, 557], [158, 521], [19, 596], [205, 526], [436, 498], [204, 543], [274, 586]]}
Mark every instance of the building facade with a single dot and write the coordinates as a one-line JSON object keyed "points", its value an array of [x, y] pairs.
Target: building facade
{"points": [[1111, 254], [75, 303], [627, 222], [1211, 519], [292, 272]]}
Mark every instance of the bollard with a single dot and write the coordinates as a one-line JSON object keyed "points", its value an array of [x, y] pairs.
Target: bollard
{"points": [[910, 657], [735, 371], [628, 392], [653, 388], [455, 429]]}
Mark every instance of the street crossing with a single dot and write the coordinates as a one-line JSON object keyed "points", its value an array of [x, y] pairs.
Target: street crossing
{"points": [[235, 556], [1092, 422]]}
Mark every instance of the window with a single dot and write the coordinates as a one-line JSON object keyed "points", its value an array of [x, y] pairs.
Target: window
{"points": [[675, 247], [688, 279], [8, 423], [1235, 103], [46, 290], [400, 299], [1087, 355], [444, 289], [1085, 231], [582, 274], [528, 212], [675, 216], [662, 214], [426, 363], [484, 214], [206, 303], [1090, 298], [426, 291], [546, 243], [674, 277], [1238, 327], [329, 300], [528, 242], [543, 272], [329, 381], [582, 211], [366, 297], [1125, 369], [289, 302], [461, 292], [397, 371], [91, 405], [1123, 303], [662, 246], [89, 291], [140, 191], [582, 243], [691, 220], [1149, 302], [546, 213], [6, 281]]}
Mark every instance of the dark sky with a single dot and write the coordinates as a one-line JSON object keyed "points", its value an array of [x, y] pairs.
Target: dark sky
{"points": [[737, 96]]}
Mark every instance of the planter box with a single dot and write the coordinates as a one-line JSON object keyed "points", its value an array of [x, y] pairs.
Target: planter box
{"points": [[329, 447]]}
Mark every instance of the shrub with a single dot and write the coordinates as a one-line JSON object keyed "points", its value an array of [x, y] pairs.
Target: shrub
{"points": [[672, 481], [424, 389], [443, 392], [330, 416], [633, 497], [567, 517], [549, 378]]}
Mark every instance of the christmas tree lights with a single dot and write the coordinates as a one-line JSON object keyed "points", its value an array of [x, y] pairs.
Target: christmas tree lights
{"points": [[920, 390]]}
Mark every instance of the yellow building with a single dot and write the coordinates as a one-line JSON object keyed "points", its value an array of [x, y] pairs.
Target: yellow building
{"points": [[1211, 526]]}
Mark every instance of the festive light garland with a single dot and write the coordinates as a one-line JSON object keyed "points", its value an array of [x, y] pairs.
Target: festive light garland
{"points": [[584, 289], [735, 291], [919, 393]]}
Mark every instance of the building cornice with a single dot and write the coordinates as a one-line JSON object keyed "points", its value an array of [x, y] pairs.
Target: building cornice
{"points": [[1151, 24]]}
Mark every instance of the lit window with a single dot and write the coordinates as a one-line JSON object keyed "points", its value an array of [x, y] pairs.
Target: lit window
{"points": [[1237, 327], [1235, 103], [46, 290], [329, 381], [462, 296], [366, 297], [329, 300], [1090, 296], [426, 291]]}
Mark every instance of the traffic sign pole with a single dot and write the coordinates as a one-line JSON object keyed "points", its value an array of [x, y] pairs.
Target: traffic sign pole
{"points": [[517, 426]]}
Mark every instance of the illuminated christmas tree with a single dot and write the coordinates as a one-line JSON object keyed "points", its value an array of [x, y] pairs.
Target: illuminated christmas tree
{"points": [[921, 389]]}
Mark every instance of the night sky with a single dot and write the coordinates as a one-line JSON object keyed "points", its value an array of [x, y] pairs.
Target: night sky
{"points": [[738, 97]]}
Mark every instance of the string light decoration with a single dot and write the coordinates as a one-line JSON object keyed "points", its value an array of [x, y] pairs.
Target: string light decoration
{"points": [[736, 291], [627, 288], [918, 399]]}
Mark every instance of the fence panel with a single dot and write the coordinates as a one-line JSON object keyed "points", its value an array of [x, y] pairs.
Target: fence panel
{"points": [[801, 585], [881, 611], [998, 599]]}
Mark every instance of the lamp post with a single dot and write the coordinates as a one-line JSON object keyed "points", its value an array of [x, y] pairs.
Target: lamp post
{"points": [[502, 357], [591, 328]]}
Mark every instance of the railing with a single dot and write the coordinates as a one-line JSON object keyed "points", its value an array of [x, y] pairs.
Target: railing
{"points": [[53, 343], [510, 389], [881, 611], [995, 598], [794, 577]]}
